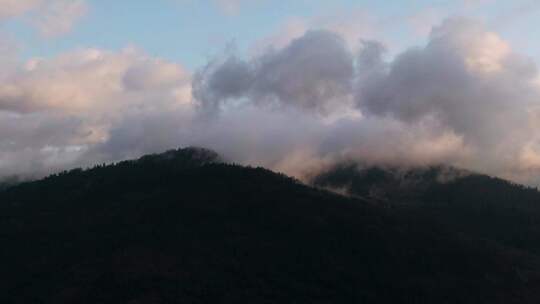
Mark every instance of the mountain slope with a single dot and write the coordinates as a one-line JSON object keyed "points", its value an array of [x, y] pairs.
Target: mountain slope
{"points": [[183, 227], [471, 203]]}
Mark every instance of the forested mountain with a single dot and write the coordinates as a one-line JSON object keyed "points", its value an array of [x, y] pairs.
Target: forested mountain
{"points": [[9, 182], [471, 203], [183, 227]]}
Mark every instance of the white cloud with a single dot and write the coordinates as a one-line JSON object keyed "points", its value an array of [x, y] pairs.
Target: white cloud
{"points": [[87, 80], [58, 17], [465, 98], [52, 111], [462, 99]]}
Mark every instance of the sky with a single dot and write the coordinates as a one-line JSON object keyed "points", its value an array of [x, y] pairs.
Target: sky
{"points": [[292, 85], [192, 31]]}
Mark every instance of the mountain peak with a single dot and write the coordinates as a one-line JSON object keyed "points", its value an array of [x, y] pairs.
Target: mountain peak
{"points": [[191, 156]]}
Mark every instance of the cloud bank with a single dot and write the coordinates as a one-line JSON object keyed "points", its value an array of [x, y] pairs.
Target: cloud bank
{"points": [[466, 98]]}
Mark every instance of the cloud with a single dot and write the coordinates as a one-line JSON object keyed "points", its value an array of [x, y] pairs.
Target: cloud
{"points": [[51, 18], [467, 80], [58, 17], [423, 21], [52, 111], [350, 25], [13, 8], [313, 72], [465, 98], [87, 80], [8, 50]]}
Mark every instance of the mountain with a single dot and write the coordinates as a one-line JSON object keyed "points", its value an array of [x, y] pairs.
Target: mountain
{"points": [[184, 227], [9, 182], [471, 203]]}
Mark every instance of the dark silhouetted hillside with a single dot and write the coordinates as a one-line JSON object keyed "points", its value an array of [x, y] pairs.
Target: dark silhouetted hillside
{"points": [[9, 182], [474, 204], [181, 227]]}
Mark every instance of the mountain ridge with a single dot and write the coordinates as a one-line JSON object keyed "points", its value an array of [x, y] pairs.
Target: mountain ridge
{"points": [[177, 227], [487, 206]]}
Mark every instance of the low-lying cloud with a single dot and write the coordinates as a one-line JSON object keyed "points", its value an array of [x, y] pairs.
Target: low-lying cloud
{"points": [[466, 98]]}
